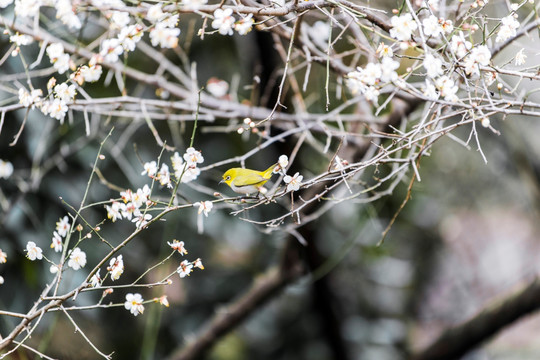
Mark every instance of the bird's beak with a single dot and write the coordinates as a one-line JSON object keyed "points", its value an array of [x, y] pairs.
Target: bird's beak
{"points": [[221, 182]]}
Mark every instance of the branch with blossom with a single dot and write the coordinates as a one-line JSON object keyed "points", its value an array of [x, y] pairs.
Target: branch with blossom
{"points": [[395, 82]]}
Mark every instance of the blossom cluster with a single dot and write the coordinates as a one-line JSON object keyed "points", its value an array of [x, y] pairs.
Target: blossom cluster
{"points": [[440, 65], [186, 267], [370, 79], [225, 22], [130, 208], [185, 168], [293, 182], [77, 257]]}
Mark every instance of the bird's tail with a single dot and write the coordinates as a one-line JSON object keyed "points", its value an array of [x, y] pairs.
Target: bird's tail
{"points": [[267, 174]]}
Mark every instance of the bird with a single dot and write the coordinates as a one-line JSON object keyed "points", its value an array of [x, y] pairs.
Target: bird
{"points": [[247, 181]]}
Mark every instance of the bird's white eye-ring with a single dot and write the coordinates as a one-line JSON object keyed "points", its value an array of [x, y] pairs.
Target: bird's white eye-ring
{"points": [[227, 178]]}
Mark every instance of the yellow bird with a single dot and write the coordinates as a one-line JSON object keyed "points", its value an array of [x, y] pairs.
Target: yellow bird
{"points": [[246, 181]]}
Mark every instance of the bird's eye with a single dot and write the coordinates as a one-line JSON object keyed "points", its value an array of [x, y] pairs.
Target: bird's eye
{"points": [[228, 178]]}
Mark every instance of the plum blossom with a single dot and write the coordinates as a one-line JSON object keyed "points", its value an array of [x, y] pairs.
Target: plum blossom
{"points": [[134, 303], [508, 28], [244, 25], [433, 66], [77, 259], [403, 27], [116, 267], [223, 21], [33, 252], [184, 269], [293, 182]]}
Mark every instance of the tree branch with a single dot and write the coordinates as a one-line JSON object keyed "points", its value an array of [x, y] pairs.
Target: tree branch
{"points": [[457, 341], [262, 291]]}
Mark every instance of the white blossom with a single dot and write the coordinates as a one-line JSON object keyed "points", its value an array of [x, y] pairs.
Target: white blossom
{"points": [[223, 21], [402, 27]]}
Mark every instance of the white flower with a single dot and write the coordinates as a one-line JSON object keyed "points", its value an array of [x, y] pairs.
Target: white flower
{"points": [[193, 157], [56, 242], [433, 66], [388, 69], [111, 49], [64, 12], [6, 169], [65, 92], [54, 51], [130, 36], [244, 25], [508, 28], [319, 33], [116, 267], [62, 226], [194, 4], [293, 182], [21, 40], [141, 196], [430, 91], [91, 73], [170, 21], [129, 210], [154, 13], [354, 83], [177, 164], [33, 251], [283, 161], [190, 174], [164, 36], [402, 27], [114, 212], [198, 264], [384, 50], [447, 88], [204, 207], [433, 4], [58, 58], [371, 74], [481, 55], [431, 26], [447, 26], [53, 269], [217, 87], [520, 57], [223, 21], [119, 19], [3, 257], [95, 280], [164, 176], [178, 246], [134, 303], [150, 168], [141, 220], [27, 8], [28, 99], [372, 94], [459, 45], [184, 269], [5, 3], [77, 259]]}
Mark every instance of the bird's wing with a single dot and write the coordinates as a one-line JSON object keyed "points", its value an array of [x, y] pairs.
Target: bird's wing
{"points": [[247, 180]]}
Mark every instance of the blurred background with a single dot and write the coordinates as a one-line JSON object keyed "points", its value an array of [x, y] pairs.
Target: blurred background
{"points": [[467, 236]]}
